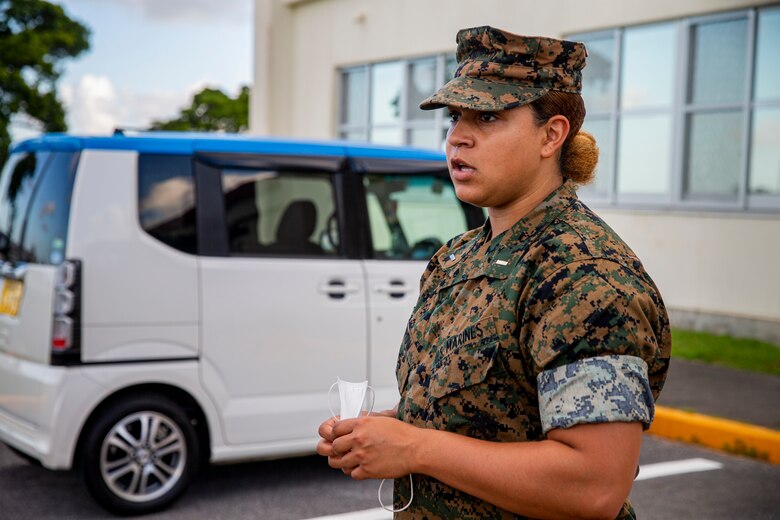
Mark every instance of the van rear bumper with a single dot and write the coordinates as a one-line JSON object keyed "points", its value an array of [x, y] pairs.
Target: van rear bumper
{"points": [[31, 399]]}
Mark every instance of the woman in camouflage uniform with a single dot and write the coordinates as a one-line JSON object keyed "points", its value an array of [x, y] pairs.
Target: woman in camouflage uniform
{"points": [[538, 346]]}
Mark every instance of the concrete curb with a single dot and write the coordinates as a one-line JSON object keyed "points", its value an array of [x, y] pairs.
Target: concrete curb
{"points": [[722, 434]]}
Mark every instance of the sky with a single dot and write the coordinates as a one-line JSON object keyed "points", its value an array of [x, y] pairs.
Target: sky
{"points": [[147, 58]]}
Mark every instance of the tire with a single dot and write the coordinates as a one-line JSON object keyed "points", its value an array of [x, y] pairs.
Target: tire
{"points": [[140, 455]]}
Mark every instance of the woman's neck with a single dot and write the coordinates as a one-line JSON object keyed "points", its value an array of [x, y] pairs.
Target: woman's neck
{"points": [[506, 216]]}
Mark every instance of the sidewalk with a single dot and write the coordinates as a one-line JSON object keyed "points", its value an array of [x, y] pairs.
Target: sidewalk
{"points": [[724, 408]]}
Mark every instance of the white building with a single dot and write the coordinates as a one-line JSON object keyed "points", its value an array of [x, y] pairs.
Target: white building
{"points": [[682, 95]]}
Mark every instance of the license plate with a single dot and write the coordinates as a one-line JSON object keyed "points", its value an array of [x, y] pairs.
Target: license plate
{"points": [[11, 297]]}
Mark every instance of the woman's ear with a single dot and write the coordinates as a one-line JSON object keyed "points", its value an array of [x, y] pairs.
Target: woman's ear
{"points": [[556, 131]]}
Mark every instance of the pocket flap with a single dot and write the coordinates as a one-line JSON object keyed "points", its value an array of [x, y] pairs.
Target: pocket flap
{"points": [[465, 364]]}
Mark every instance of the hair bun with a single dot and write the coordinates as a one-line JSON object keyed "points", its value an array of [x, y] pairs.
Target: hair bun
{"points": [[581, 158]]}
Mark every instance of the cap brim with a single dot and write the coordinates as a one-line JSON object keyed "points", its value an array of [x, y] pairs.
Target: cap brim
{"points": [[486, 95]]}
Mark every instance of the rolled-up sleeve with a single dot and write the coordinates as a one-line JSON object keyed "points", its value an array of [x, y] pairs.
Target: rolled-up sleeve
{"points": [[595, 390], [595, 332]]}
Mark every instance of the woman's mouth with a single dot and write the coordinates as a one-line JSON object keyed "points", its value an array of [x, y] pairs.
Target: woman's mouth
{"points": [[461, 170]]}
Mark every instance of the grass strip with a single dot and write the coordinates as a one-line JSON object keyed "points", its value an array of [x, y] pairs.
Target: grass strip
{"points": [[742, 353]]}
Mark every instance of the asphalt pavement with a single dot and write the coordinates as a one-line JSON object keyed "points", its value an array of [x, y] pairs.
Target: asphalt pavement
{"points": [[728, 486], [306, 488], [739, 395]]}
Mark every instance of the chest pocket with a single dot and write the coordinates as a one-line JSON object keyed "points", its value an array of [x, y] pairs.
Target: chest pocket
{"points": [[464, 359]]}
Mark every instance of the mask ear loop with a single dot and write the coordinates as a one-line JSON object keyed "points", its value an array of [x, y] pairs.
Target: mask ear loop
{"points": [[373, 400], [390, 509], [379, 492]]}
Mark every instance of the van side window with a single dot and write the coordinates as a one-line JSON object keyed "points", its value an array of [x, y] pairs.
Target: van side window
{"points": [[16, 188], [46, 229], [280, 213], [412, 216], [166, 200]]}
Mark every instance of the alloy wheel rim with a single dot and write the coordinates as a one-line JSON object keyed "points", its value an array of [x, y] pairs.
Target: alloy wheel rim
{"points": [[143, 456]]}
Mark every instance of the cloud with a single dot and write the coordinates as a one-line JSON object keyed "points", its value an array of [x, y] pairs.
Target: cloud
{"points": [[90, 104], [95, 106], [187, 10]]}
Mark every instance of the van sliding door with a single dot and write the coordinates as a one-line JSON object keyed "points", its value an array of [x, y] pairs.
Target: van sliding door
{"points": [[283, 307]]}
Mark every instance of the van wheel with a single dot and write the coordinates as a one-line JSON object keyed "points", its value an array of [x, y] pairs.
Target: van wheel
{"points": [[140, 455]]}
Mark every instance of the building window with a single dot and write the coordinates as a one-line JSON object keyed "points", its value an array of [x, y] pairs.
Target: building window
{"points": [[647, 79], [765, 129], [379, 102], [687, 113], [714, 109]]}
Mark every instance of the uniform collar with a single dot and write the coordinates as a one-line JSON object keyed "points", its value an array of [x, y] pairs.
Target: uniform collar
{"points": [[497, 255], [538, 219]]}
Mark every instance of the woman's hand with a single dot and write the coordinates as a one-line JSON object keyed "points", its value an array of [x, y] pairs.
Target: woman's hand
{"points": [[326, 430], [369, 447], [325, 446]]}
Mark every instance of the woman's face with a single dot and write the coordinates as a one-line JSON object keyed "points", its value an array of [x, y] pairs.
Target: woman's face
{"points": [[495, 158]]}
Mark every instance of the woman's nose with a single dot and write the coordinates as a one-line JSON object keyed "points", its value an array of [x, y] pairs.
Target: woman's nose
{"points": [[460, 134]]}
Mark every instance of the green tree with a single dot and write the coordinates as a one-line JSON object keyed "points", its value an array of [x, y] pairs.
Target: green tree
{"points": [[211, 110], [35, 37]]}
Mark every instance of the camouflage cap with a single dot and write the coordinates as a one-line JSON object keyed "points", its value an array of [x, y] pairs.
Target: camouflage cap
{"points": [[498, 70]]}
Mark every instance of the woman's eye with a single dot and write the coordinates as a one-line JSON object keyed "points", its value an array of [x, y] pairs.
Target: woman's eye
{"points": [[487, 117], [454, 117]]}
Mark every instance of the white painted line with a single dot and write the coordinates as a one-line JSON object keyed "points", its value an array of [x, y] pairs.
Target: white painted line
{"points": [[366, 514], [677, 467]]}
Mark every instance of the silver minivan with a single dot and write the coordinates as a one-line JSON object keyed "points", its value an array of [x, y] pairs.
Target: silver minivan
{"points": [[168, 300]]}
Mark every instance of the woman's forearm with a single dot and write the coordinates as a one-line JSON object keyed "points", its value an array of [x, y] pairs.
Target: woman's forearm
{"points": [[545, 479]]}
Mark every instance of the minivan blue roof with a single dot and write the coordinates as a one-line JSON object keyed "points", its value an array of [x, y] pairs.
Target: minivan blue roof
{"points": [[189, 142]]}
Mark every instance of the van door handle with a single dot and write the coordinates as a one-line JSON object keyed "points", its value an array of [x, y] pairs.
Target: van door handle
{"points": [[394, 289], [338, 289]]}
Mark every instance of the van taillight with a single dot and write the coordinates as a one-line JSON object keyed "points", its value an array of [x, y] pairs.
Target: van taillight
{"points": [[66, 323]]}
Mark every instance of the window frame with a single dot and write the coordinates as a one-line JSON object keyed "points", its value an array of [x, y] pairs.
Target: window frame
{"points": [[681, 111], [688, 109], [610, 116], [211, 214], [405, 125], [758, 202], [342, 106]]}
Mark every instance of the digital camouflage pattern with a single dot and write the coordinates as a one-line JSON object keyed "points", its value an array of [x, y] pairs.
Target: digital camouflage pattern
{"points": [[596, 390], [498, 70], [497, 317]]}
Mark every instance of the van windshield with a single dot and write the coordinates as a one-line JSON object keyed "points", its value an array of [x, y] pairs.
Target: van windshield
{"points": [[35, 193]]}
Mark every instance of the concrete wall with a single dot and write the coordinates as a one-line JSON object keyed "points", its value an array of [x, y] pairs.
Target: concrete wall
{"points": [[712, 268], [713, 265]]}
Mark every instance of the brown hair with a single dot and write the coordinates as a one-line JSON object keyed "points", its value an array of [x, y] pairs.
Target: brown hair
{"points": [[579, 153]]}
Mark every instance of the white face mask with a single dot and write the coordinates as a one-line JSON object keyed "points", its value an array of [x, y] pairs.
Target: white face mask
{"points": [[351, 397]]}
